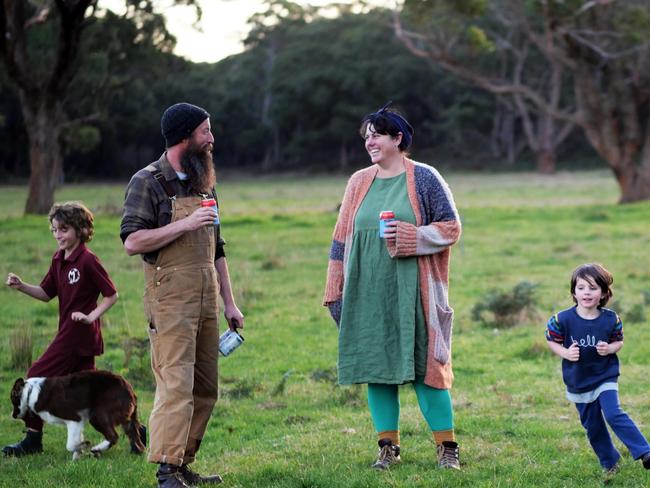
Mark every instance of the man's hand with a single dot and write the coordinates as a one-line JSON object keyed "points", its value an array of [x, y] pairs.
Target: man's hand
{"points": [[234, 318], [572, 352], [201, 217]]}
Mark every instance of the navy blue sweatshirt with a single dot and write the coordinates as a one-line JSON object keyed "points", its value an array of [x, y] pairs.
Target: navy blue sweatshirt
{"points": [[591, 370]]}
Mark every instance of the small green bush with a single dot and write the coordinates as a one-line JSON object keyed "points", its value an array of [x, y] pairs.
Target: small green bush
{"points": [[507, 308], [635, 315]]}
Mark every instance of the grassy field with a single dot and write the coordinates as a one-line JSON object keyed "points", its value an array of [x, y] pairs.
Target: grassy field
{"points": [[282, 421]]}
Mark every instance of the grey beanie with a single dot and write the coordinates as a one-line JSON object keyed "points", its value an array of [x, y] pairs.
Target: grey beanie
{"points": [[179, 121]]}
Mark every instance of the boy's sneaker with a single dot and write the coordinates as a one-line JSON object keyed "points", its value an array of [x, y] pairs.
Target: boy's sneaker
{"points": [[611, 473], [448, 455], [31, 444], [646, 460], [388, 454]]}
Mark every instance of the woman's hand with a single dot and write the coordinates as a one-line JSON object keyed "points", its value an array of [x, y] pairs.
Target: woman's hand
{"points": [[390, 231], [335, 311]]}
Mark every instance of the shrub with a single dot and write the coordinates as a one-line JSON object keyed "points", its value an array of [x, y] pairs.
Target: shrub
{"points": [[507, 308], [636, 314]]}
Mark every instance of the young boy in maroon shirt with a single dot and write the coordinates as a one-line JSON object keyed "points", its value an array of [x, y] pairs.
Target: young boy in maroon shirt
{"points": [[77, 277]]}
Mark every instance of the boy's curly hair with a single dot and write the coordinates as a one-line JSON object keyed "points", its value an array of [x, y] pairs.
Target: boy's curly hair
{"points": [[75, 215]]}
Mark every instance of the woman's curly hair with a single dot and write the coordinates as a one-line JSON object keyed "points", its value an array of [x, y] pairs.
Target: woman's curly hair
{"points": [[75, 215]]}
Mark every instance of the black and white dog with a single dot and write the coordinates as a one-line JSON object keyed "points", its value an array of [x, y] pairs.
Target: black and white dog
{"points": [[102, 398]]}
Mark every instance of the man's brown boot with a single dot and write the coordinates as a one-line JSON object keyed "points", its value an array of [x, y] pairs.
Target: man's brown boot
{"points": [[169, 476], [195, 479]]}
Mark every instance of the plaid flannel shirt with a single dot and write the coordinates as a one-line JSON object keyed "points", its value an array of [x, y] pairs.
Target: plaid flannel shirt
{"points": [[147, 206]]}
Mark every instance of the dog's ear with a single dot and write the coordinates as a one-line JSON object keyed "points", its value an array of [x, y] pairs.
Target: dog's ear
{"points": [[19, 383]]}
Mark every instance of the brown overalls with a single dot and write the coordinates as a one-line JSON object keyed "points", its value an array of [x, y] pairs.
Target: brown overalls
{"points": [[181, 305]]}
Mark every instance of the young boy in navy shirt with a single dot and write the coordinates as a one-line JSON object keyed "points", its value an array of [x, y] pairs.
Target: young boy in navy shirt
{"points": [[77, 277], [587, 338]]}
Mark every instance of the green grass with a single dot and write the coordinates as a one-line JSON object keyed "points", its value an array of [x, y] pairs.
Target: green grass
{"points": [[281, 420]]}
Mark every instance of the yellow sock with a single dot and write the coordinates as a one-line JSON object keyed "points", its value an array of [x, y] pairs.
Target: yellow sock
{"points": [[393, 435], [441, 436]]}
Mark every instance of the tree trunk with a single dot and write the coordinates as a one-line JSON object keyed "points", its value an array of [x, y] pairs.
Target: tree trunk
{"points": [[43, 117], [634, 183], [545, 161], [616, 125]]}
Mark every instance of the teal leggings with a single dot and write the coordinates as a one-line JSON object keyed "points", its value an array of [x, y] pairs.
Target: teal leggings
{"points": [[383, 401]]}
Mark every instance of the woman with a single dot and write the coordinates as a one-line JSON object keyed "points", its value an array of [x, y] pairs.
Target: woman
{"points": [[389, 295]]}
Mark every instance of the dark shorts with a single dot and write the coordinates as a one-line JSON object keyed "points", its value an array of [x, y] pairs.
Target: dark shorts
{"points": [[56, 362]]}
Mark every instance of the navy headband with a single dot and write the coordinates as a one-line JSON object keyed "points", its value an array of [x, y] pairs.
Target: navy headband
{"points": [[404, 127]]}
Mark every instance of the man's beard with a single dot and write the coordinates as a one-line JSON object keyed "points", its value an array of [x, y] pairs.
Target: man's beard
{"points": [[198, 166]]}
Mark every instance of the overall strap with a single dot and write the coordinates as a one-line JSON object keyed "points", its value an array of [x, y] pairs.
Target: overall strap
{"points": [[160, 178], [216, 198]]}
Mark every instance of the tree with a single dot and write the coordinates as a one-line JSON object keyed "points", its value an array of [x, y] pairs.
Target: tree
{"points": [[606, 47], [503, 48], [599, 48], [317, 75], [40, 43]]}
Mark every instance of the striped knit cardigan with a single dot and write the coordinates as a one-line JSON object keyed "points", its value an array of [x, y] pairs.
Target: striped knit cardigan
{"points": [[437, 228]]}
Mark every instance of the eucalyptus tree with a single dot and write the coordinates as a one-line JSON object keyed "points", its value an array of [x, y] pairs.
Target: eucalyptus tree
{"points": [[40, 41], [598, 48], [607, 47], [503, 47]]}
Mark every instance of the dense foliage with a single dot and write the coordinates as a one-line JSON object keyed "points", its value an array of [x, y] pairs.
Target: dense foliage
{"points": [[292, 99]]}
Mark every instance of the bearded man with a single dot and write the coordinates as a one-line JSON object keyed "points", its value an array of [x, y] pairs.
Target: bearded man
{"points": [[185, 268]]}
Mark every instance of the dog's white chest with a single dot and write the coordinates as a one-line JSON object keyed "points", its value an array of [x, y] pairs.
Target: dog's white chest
{"points": [[52, 419]]}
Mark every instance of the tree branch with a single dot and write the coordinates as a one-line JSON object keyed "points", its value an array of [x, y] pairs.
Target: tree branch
{"points": [[42, 14], [72, 15], [14, 44], [463, 71]]}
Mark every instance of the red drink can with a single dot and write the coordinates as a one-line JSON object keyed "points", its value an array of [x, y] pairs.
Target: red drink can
{"points": [[211, 202], [384, 217]]}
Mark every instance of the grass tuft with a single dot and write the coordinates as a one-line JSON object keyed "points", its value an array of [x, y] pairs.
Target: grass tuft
{"points": [[21, 344]]}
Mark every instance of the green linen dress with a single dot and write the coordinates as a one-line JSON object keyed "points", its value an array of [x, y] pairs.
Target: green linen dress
{"points": [[383, 335]]}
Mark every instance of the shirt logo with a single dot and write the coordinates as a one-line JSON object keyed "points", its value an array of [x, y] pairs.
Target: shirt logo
{"points": [[589, 341], [73, 276]]}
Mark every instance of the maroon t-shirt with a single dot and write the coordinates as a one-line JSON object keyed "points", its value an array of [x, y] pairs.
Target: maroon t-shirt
{"points": [[78, 281]]}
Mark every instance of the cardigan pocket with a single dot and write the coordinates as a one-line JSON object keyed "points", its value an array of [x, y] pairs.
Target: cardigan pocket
{"points": [[445, 317]]}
